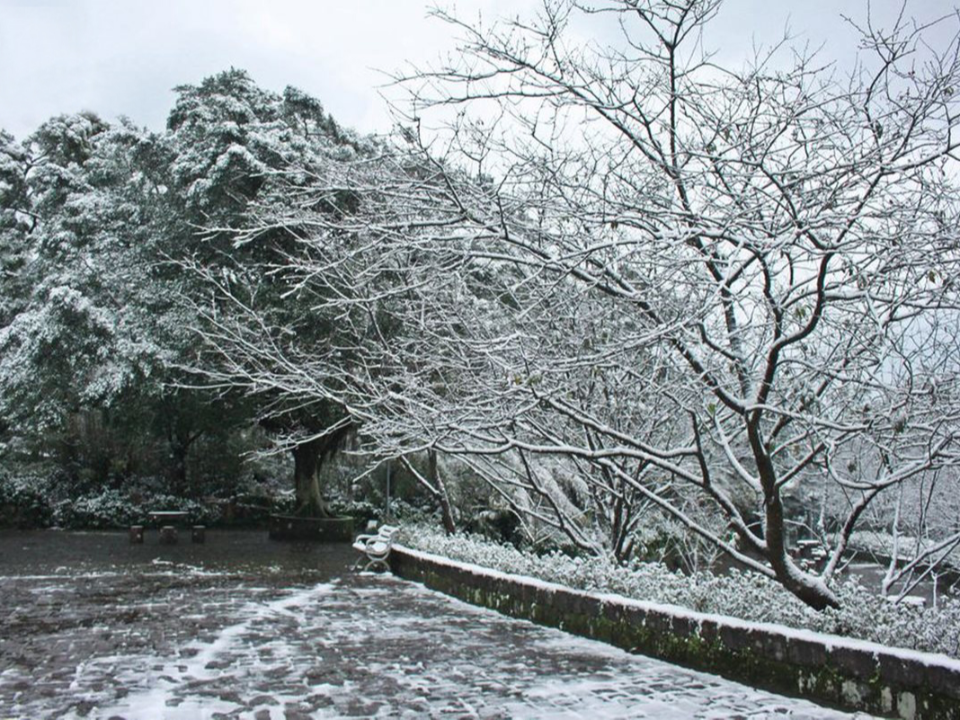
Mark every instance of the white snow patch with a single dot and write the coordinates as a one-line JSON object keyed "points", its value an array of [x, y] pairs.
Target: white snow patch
{"points": [[153, 701]]}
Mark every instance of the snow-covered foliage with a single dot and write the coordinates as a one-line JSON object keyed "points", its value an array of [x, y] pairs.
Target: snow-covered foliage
{"points": [[231, 135], [92, 322], [116, 509], [97, 221], [749, 596], [24, 500], [640, 283], [881, 544], [718, 292]]}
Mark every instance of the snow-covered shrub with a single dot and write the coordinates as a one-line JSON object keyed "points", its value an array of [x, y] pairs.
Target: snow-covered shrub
{"points": [[361, 511], [198, 513], [24, 500], [880, 544], [250, 509], [863, 614], [116, 509], [109, 509]]}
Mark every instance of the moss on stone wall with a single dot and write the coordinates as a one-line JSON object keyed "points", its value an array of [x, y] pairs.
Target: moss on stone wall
{"points": [[858, 680]]}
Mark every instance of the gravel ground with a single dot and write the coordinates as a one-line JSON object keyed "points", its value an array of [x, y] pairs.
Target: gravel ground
{"points": [[91, 627]]}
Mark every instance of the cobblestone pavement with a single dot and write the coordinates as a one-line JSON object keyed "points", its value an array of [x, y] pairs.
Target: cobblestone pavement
{"points": [[166, 639]]}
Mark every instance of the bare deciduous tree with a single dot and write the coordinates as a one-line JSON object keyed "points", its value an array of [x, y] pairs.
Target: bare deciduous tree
{"points": [[784, 241], [680, 279]]}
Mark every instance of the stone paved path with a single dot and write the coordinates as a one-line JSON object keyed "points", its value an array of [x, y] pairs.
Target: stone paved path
{"points": [[178, 641]]}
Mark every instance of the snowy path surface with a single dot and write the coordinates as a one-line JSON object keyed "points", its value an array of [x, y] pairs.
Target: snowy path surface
{"points": [[172, 642]]}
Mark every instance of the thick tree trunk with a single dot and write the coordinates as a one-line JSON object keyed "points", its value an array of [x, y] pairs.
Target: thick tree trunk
{"points": [[811, 590], [621, 535], [433, 474], [808, 588], [307, 461], [179, 483], [180, 443]]}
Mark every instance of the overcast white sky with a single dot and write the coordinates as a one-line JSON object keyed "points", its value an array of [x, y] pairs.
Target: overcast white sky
{"points": [[123, 57]]}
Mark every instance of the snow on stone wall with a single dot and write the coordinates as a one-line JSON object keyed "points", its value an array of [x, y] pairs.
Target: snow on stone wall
{"points": [[838, 671]]}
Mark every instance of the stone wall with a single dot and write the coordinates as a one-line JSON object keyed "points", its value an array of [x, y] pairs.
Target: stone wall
{"points": [[840, 672]]}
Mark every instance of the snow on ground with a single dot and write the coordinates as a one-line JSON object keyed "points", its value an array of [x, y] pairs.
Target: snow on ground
{"points": [[294, 645]]}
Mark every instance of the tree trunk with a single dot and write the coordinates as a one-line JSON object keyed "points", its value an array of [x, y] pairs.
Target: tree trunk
{"points": [[809, 589], [433, 473], [180, 442], [179, 452], [307, 461]]}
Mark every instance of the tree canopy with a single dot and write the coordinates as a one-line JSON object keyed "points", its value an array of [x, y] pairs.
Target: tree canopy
{"points": [[606, 278], [623, 272]]}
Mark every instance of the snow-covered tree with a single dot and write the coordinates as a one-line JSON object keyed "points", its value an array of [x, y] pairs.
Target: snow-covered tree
{"points": [[721, 288], [781, 240], [233, 143], [68, 342], [97, 323]]}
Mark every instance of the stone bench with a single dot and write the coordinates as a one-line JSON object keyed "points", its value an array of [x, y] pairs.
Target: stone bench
{"points": [[168, 532]]}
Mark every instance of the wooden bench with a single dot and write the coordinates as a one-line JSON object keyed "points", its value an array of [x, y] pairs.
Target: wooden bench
{"points": [[375, 548]]}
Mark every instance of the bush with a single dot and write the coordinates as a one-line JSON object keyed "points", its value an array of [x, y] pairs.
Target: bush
{"points": [[362, 511], [115, 509], [24, 501], [746, 595], [198, 513], [109, 509], [250, 509]]}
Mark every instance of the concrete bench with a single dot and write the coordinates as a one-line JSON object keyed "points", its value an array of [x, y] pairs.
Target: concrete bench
{"points": [[375, 548], [168, 531]]}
